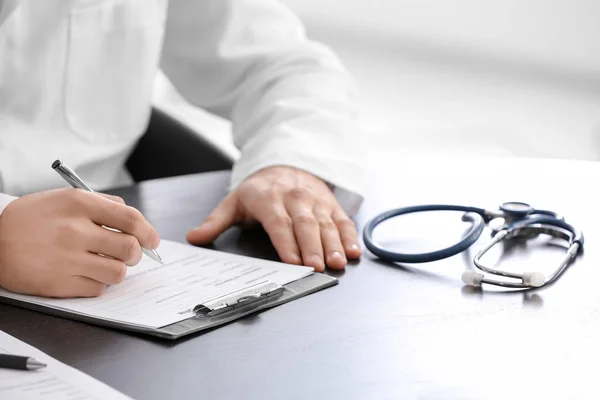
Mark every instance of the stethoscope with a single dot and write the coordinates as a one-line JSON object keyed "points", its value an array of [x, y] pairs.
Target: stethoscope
{"points": [[513, 220]]}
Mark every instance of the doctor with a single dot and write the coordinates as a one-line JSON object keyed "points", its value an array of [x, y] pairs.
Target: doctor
{"points": [[76, 81]]}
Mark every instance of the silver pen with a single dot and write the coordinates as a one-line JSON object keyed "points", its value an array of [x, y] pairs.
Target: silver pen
{"points": [[74, 180]]}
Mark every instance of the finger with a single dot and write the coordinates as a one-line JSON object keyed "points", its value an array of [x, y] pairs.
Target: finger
{"points": [[278, 225], [221, 218], [111, 197], [123, 218], [348, 234], [118, 245], [76, 286], [332, 243], [276, 221], [306, 229], [100, 269]]}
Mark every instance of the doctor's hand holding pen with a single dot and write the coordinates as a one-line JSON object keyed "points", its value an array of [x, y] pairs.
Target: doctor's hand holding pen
{"points": [[53, 243]]}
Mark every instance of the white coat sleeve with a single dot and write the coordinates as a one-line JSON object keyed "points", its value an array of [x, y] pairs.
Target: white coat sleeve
{"points": [[290, 100], [6, 8], [5, 200]]}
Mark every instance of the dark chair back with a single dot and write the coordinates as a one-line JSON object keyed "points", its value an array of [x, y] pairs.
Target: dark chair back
{"points": [[171, 148]]}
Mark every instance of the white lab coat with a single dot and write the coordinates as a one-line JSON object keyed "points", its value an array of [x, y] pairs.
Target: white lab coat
{"points": [[76, 79]]}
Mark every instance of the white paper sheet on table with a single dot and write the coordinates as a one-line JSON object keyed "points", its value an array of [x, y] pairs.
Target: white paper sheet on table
{"points": [[56, 381]]}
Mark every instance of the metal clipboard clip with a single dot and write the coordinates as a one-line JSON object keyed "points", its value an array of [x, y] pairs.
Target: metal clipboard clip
{"points": [[251, 296]]}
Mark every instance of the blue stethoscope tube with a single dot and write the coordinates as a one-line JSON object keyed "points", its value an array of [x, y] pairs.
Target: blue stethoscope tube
{"points": [[474, 215]]}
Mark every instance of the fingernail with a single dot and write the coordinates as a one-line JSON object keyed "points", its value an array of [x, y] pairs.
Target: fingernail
{"points": [[200, 228], [295, 258], [315, 261], [354, 247], [335, 254]]}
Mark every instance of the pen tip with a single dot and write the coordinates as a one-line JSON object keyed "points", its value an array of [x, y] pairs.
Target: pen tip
{"points": [[55, 164], [35, 364], [153, 254]]}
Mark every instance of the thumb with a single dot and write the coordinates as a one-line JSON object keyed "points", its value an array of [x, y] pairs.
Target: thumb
{"points": [[221, 218]]}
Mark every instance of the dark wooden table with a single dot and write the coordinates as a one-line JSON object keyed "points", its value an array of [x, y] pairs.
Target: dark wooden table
{"points": [[386, 331]]}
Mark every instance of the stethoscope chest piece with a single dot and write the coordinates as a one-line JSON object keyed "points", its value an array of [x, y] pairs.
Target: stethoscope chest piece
{"points": [[515, 209]]}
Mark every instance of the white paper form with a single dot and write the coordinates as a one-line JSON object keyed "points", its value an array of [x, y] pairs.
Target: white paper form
{"points": [[155, 295], [56, 381]]}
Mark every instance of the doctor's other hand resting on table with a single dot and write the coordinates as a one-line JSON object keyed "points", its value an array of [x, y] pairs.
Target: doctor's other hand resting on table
{"points": [[77, 82], [304, 221]]}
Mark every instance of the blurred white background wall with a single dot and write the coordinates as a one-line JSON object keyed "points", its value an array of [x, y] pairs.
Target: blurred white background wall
{"points": [[502, 77], [559, 33]]}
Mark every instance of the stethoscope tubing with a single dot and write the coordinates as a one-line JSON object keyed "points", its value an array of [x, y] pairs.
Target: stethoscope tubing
{"points": [[474, 215]]}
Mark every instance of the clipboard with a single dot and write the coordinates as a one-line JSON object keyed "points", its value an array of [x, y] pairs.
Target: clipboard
{"points": [[210, 314]]}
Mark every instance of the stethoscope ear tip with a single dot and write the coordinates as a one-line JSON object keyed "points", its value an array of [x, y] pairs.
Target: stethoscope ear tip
{"points": [[472, 278], [535, 279]]}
